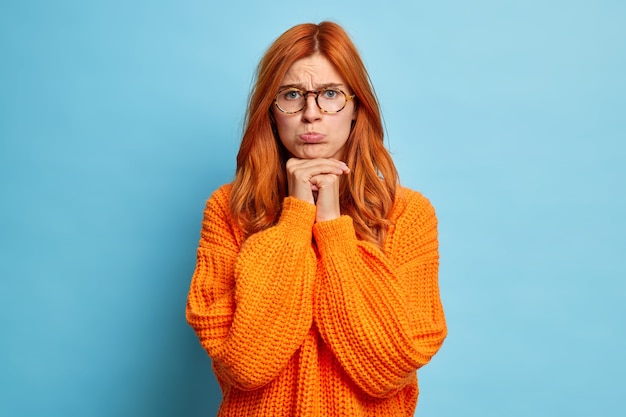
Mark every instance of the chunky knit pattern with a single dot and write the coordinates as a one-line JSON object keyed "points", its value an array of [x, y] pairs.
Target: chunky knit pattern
{"points": [[304, 319]]}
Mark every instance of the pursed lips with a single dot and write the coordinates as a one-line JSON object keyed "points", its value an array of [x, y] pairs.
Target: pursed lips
{"points": [[311, 137]]}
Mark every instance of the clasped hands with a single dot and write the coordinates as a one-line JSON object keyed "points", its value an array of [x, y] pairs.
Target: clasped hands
{"points": [[317, 181]]}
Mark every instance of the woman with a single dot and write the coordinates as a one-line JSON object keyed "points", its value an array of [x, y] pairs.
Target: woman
{"points": [[315, 291]]}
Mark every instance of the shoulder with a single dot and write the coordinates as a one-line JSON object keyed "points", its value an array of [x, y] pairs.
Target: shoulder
{"points": [[411, 205], [220, 198], [217, 206], [413, 224], [217, 218]]}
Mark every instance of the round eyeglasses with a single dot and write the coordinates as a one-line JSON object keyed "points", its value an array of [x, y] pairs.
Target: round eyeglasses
{"points": [[329, 100]]}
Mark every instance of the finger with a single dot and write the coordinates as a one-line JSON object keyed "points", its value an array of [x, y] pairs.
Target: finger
{"points": [[342, 164], [324, 181], [295, 162], [306, 177], [306, 168]]}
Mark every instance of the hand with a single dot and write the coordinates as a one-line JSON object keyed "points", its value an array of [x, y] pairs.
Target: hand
{"points": [[317, 182]]}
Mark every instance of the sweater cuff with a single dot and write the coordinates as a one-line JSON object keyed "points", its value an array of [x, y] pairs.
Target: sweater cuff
{"points": [[335, 235], [297, 215]]}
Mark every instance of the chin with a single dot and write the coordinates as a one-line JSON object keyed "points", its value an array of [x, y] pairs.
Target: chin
{"points": [[317, 153], [316, 156]]}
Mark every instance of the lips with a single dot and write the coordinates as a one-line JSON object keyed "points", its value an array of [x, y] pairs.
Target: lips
{"points": [[311, 137]]}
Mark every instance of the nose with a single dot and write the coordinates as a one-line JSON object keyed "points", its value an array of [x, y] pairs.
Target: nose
{"points": [[311, 112]]}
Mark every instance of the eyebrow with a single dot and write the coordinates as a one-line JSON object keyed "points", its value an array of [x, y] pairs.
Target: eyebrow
{"points": [[318, 86]]}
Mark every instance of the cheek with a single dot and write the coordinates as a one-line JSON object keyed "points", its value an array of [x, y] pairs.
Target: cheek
{"points": [[278, 122], [284, 130], [281, 120], [345, 125]]}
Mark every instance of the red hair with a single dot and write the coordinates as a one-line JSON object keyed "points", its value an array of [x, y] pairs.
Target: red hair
{"points": [[260, 185]]}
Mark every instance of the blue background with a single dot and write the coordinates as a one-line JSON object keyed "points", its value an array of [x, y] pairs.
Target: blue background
{"points": [[119, 118]]}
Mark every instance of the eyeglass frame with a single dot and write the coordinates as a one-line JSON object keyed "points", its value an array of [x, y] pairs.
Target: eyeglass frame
{"points": [[305, 94]]}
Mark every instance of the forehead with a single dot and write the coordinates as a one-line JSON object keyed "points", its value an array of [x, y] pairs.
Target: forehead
{"points": [[312, 72]]}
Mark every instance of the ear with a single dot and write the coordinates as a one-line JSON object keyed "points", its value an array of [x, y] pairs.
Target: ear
{"points": [[355, 111]]}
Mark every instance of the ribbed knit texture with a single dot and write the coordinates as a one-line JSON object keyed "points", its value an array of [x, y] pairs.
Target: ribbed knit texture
{"points": [[304, 319]]}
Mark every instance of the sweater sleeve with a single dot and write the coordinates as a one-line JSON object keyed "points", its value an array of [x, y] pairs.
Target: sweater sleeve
{"points": [[381, 313], [251, 306]]}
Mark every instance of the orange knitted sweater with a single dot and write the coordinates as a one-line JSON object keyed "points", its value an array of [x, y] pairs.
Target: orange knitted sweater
{"points": [[304, 319]]}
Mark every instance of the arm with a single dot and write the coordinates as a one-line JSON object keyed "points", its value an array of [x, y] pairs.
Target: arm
{"points": [[251, 306], [380, 313]]}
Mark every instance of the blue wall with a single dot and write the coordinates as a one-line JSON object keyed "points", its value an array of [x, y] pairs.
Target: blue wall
{"points": [[119, 118]]}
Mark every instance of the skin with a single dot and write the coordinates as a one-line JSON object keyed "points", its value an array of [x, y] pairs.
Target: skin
{"points": [[314, 139]]}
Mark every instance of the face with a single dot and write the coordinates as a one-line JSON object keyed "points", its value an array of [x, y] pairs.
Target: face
{"points": [[312, 133]]}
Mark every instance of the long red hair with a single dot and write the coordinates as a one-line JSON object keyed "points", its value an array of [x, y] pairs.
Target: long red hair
{"points": [[260, 185]]}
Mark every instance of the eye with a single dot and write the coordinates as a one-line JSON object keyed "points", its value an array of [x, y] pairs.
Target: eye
{"points": [[331, 93], [292, 95]]}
